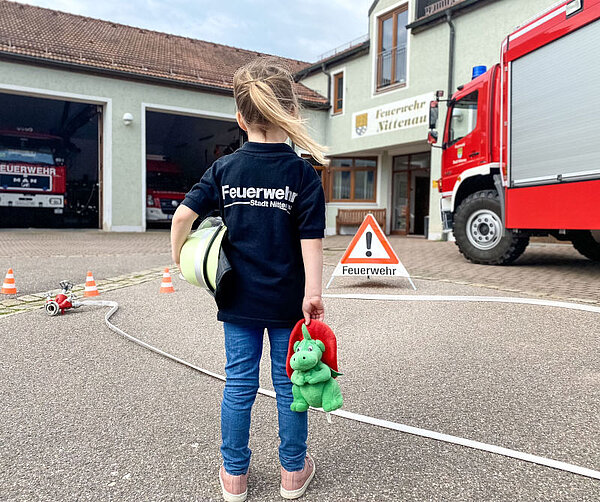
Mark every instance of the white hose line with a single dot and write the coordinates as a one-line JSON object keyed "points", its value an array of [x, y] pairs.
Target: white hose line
{"points": [[477, 299], [499, 450]]}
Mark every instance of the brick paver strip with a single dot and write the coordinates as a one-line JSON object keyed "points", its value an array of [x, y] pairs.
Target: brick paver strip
{"points": [[32, 302]]}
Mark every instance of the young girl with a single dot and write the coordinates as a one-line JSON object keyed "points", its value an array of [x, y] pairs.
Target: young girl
{"points": [[273, 205]]}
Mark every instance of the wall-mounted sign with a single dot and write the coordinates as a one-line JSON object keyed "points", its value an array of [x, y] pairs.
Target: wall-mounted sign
{"points": [[410, 112]]}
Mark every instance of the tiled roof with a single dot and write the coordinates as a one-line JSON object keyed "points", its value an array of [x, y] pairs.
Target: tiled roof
{"points": [[103, 45]]}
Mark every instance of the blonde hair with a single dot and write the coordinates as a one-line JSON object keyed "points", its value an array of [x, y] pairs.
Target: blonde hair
{"points": [[264, 94]]}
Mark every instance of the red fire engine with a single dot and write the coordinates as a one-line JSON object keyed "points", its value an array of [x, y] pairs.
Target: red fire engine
{"points": [[165, 188], [32, 173], [521, 154]]}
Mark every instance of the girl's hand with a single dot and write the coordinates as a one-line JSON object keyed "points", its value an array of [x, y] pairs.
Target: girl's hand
{"points": [[313, 308]]}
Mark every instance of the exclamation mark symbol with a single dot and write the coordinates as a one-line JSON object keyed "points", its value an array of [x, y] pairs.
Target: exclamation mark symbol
{"points": [[369, 237]]}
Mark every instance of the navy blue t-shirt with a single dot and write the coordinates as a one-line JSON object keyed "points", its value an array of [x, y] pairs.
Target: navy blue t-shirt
{"points": [[269, 199]]}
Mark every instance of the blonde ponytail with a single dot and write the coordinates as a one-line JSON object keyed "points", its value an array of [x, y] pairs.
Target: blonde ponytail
{"points": [[264, 95]]}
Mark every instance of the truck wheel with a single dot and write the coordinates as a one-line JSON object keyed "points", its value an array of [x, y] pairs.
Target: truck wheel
{"points": [[587, 242], [478, 231]]}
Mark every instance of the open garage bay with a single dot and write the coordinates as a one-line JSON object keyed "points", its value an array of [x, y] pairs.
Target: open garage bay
{"points": [[49, 163], [179, 149]]}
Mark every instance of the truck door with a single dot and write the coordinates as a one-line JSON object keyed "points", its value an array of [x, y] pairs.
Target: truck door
{"points": [[464, 137]]}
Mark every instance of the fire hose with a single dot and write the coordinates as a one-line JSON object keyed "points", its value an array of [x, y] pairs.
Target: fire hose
{"points": [[498, 450]]}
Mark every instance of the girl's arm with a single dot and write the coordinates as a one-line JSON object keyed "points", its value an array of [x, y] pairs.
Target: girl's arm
{"points": [[181, 226], [199, 201], [312, 254]]}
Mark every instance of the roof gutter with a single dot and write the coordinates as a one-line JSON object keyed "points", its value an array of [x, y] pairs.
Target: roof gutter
{"points": [[24, 58], [328, 82], [440, 16]]}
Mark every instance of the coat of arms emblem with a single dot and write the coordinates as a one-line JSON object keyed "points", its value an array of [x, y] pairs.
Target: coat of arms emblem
{"points": [[459, 152], [361, 123]]}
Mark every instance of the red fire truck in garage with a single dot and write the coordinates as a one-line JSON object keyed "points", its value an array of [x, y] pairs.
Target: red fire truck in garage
{"points": [[32, 174], [164, 188], [521, 144]]}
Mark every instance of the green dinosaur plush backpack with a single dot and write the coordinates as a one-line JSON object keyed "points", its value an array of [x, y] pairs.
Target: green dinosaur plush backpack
{"points": [[312, 367]]}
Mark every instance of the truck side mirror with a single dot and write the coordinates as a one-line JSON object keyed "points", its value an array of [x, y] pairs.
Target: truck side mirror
{"points": [[432, 137], [433, 114]]}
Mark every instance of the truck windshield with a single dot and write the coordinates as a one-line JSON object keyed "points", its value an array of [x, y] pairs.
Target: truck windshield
{"points": [[39, 156], [164, 181], [464, 117]]}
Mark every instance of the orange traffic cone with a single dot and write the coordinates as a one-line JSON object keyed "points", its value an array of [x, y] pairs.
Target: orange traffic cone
{"points": [[8, 287], [90, 286], [166, 286]]}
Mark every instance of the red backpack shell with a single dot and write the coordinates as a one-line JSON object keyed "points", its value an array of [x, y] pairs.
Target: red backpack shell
{"points": [[318, 331]]}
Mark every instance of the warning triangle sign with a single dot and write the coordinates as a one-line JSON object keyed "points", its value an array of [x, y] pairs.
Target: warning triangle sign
{"points": [[370, 245], [370, 254]]}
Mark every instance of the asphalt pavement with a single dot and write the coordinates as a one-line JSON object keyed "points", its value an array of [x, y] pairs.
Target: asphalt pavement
{"points": [[87, 415], [41, 258]]}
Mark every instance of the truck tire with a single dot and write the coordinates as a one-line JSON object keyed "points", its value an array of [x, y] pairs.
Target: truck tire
{"points": [[587, 243], [478, 231]]}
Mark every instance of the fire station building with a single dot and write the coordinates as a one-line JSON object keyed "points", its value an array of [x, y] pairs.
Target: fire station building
{"points": [[106, 126]]}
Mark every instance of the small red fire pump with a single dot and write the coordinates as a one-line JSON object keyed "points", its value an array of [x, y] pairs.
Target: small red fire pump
{"points": [[65, 300]]}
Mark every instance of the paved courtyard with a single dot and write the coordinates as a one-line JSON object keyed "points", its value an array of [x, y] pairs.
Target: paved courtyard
{"points": [[41, 258], [555, 271], [87, 415]]}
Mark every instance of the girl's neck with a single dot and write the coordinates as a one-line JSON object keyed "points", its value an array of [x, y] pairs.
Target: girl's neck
{"points": [[271, 135]]}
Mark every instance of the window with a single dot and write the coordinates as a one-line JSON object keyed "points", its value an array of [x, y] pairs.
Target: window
{"points": [[353, 179], [391, 52], [463, 118], [338, 92], [322, 172]]}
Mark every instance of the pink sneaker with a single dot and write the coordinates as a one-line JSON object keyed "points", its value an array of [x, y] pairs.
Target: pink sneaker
{"points": [[235, 488], [294, 484]]}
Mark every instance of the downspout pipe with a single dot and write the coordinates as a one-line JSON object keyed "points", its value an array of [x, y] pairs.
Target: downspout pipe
{"points": [[450, 54], [328, 83]]}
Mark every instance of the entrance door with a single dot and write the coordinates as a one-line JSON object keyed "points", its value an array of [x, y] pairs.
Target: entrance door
{"points": [[400, 202], [410, 193], [421, 204]]}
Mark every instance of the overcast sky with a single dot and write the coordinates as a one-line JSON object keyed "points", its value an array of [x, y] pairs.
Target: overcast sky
{"points": [[301, 30]]}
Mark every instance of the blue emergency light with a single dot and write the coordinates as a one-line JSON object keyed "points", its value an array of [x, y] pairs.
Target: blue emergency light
{"points": [[478, 70]]}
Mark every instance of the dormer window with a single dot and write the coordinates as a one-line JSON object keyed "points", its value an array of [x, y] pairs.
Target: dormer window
{"points": [[391, 52]]}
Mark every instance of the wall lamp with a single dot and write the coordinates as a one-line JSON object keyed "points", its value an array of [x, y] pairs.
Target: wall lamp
{"points": [[127, 119]]}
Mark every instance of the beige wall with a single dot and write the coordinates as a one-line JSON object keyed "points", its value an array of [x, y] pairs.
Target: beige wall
{"points": [[124, 172]]}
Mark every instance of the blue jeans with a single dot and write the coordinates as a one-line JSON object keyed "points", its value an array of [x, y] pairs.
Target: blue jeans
{"points": [[243, 347]]}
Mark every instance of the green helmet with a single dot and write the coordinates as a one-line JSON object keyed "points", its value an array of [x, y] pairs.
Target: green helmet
{"points": [[202, 261]]}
